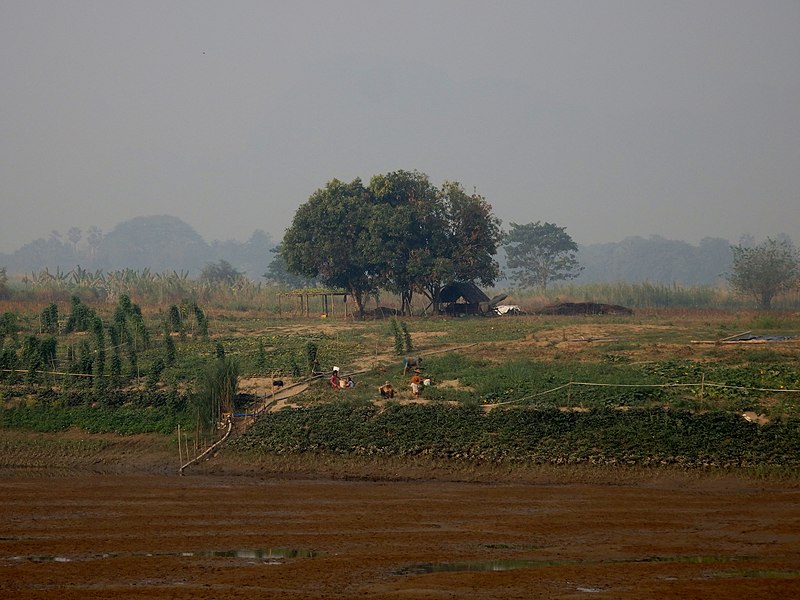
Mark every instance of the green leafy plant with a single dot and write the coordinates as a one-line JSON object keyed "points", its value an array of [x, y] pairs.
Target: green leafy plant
{"points": [[398, 336], [409, 346]]}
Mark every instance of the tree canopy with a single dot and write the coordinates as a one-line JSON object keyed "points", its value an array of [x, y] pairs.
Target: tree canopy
{"points": [[765, 270], [328, 238], [539, 253], [399, 233], [220, 272]]}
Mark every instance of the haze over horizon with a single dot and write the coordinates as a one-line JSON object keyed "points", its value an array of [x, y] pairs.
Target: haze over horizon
{"points": [[609, 118]]}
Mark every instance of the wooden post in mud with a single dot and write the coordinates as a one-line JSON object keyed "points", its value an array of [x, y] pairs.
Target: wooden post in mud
{"points": [[180, 451]]}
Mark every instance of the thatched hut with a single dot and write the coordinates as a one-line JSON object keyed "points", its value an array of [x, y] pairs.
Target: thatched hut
{"points": [[463, 298]]}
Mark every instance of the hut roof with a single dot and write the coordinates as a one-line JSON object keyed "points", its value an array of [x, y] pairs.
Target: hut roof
{"points": [[467, 290]]}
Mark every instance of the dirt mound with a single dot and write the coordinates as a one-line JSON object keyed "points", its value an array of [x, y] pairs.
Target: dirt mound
{"points": [[584, 308]]}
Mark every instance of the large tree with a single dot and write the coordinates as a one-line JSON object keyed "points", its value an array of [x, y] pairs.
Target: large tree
{"points": [[400, 233], [401, 228], [328, 241], [426, 237], [765, 270], [463, 244], [539, 253]]}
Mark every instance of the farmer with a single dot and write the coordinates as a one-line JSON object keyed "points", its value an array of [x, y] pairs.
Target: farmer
{"points": [[386, 390], [411, 361], [416, 383], [335, 378]]}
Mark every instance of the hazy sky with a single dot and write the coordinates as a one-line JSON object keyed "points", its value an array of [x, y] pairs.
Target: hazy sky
{"points": [[610, 118]]}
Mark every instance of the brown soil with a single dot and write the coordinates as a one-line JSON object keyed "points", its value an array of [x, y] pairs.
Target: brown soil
{"points": [[331, 528]]}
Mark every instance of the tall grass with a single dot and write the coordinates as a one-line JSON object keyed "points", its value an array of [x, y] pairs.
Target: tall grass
{"points": [[159, 289], [647, 295]]}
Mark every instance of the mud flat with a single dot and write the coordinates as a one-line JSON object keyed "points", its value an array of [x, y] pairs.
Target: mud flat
{"points": [[218, 535]]}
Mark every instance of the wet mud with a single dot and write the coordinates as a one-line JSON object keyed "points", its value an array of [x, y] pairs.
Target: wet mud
{"points": [[249, 536]]}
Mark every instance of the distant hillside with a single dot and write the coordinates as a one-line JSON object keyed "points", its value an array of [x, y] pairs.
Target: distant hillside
{"points": [[158, 243]]}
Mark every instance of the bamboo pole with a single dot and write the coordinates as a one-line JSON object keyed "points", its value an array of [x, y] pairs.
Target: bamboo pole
{"points": [[730, 337]]}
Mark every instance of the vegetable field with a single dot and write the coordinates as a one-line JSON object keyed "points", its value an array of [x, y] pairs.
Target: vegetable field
{"points": [[692, 389]]}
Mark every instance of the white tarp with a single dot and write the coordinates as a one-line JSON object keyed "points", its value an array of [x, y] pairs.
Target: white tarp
{"points": [[508, 309]]}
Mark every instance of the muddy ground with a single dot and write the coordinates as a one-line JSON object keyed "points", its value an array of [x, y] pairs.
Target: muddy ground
{"points": [[157, 535]]}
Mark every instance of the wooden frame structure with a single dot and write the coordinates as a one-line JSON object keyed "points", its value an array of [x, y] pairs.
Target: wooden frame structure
{"points": [[327, 303]]}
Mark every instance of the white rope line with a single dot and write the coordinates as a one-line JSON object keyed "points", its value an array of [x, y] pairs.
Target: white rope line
{"points": [[561, 387], [643, 385], [668, 385]]}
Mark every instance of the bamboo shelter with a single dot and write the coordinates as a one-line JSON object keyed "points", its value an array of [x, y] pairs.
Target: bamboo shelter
{"points": [[325, 300]]}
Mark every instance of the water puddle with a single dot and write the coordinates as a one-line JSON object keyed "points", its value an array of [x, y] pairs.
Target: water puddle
{"points": [[509, 565], [37, 558], [268, 555], [259, 553], [474, 566]]}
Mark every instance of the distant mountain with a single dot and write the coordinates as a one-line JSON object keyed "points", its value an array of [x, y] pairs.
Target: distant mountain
{"points": [[158, 243]]}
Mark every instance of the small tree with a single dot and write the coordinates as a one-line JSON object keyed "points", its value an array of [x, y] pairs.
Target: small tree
{"points": [[398, 336], [154, 373], [49, 319], [541, 253], [9, 325], [32, 356], [765, 270], [220, 272], [174, 320], [311, 357], [170, 352], [261, 356], [406, 337], [98, 332], [80, 317]]}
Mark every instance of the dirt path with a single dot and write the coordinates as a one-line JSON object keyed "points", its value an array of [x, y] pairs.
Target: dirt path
{"points": [[129, 536]]}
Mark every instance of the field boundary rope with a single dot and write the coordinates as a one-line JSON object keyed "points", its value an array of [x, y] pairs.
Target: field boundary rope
{"points": [[701, 385]]}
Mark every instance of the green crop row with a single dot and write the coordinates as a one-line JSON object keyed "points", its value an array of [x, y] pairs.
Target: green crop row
{"points": [[126, 420], [603, 436]]}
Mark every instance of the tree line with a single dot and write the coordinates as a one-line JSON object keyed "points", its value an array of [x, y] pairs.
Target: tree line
{"points": [[402, 234]]}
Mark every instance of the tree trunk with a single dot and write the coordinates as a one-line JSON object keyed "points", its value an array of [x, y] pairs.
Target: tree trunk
{"points": [[405, 302], [766, 300], [359, 298]]}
